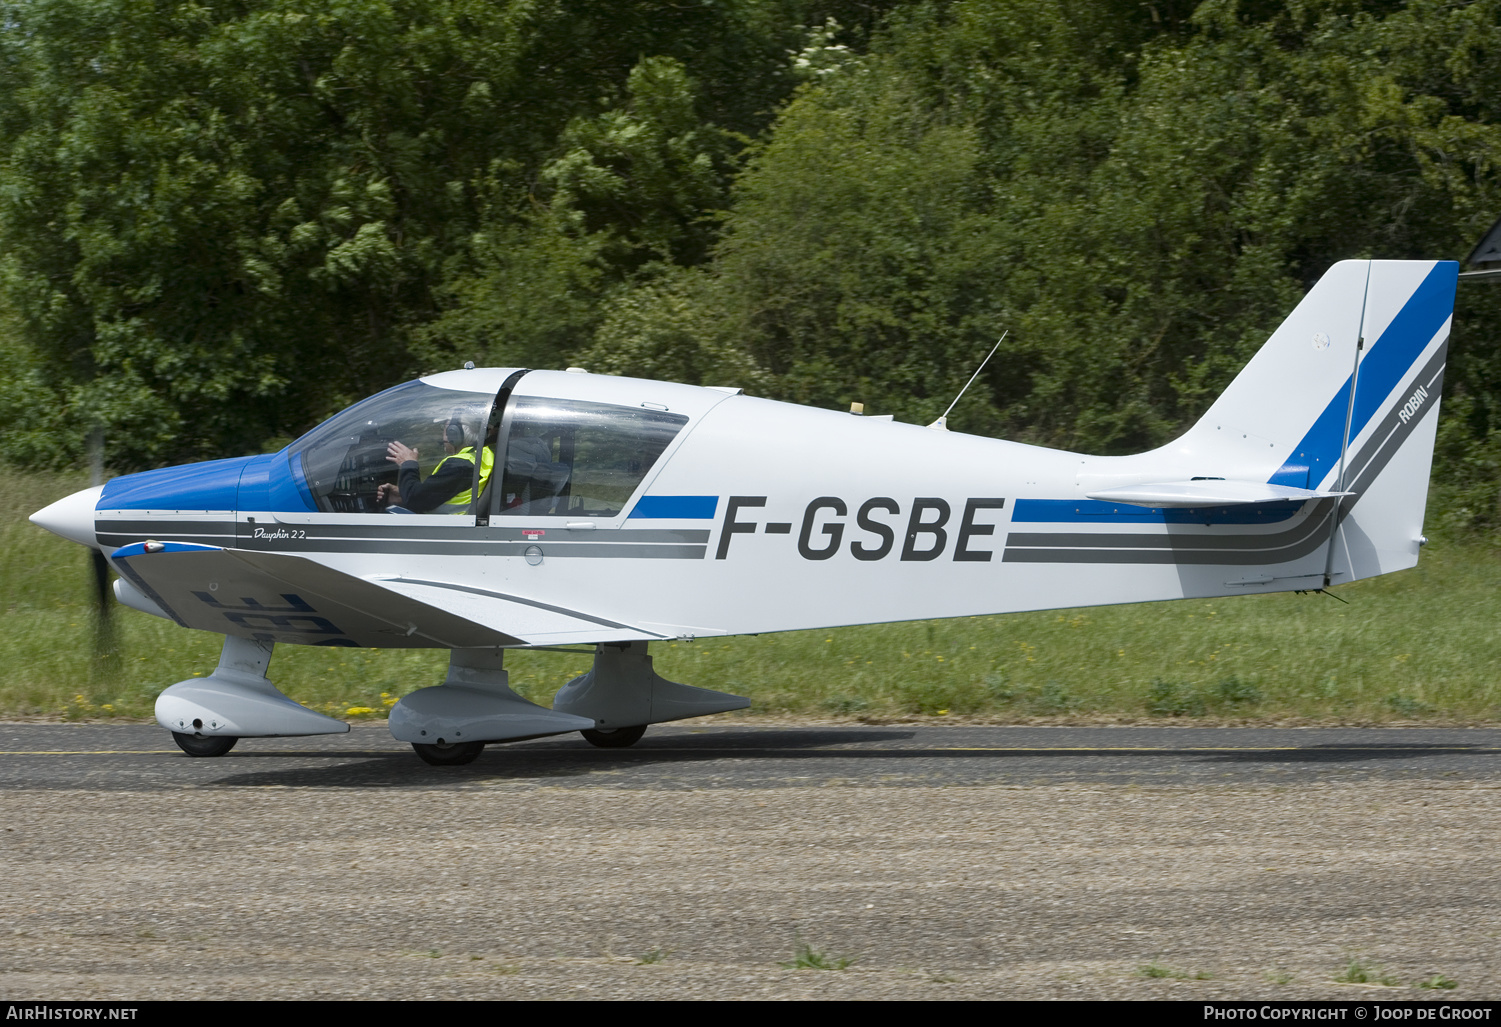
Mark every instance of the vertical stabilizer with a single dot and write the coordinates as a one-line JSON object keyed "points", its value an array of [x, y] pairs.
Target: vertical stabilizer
{"points": [[1344, 397]]}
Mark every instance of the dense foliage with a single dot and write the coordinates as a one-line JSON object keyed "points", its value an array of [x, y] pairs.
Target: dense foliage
{"points": [[221, 221]]}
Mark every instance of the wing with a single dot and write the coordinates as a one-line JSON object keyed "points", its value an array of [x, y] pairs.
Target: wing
{"points": [[284, 598]]}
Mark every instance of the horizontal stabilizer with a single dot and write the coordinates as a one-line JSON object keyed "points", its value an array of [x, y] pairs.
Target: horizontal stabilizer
{"points": [[1209, 492]]}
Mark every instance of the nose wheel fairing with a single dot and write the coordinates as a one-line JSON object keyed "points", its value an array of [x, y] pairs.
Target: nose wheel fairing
{"points": [[238, 701]]}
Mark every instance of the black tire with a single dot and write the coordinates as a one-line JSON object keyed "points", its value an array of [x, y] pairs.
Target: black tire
{"points": [[204, 745], [448, 754], [614, 738]]}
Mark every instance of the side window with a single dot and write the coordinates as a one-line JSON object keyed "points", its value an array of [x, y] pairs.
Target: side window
{"points": [[576, 459], [346, 460]]}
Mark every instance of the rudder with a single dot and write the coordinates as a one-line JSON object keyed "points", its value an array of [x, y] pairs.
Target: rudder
{"points": [[1394, 417]]}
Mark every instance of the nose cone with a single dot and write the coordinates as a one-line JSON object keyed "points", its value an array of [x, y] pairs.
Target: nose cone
{"points": [[72, 517]]}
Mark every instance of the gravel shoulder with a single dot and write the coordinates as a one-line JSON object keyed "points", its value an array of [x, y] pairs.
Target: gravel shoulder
{"points": [[507, 889]]}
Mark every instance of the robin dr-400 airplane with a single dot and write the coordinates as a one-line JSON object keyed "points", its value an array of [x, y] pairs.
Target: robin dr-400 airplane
{"points": [[615, 512]]}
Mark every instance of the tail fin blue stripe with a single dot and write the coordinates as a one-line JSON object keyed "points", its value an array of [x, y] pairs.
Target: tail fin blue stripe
{"points": [[1312, 458], [1389, 359], [1404, 340]]}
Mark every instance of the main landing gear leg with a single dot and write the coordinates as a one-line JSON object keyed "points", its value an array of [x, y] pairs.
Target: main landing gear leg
{"points": [[449, 725], [622, 694]]}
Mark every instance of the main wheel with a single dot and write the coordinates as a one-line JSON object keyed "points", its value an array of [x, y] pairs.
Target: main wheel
{"points": [[448, 754], [204, 745], [615, 737]]}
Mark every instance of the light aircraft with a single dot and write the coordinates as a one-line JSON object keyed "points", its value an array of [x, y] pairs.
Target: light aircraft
{"points": [[617, 512]]}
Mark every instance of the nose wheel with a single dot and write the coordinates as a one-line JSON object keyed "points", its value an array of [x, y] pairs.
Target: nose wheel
{"points": [[615, 737], [448, 754], [203, 745]]}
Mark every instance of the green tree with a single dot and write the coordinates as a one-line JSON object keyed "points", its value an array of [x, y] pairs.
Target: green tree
{"points": [[1147, 190], [222, 222], [630, 193], [857, 250]]}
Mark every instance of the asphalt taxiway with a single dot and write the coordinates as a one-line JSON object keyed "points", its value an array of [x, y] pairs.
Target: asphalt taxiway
{"points": [[137, 757]]}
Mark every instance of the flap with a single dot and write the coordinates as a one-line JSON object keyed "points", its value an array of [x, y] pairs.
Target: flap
{"points": [[538, 622]]}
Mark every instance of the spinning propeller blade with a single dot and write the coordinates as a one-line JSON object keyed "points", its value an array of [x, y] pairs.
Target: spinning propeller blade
{"points": [[104, 629]]}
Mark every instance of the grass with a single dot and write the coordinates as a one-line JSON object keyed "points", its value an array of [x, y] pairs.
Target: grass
{"points": [[1155, 970], [806, 957], [1358, 972], [1418, 646], [1438, 982]]}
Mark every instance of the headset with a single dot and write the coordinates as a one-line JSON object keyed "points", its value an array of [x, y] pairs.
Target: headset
{"points": [[453, 432]]}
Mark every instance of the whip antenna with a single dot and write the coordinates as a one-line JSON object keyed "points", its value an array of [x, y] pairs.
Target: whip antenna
{"points": [[942, 424]]}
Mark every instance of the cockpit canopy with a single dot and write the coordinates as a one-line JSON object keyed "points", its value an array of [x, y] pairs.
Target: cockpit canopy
{"points": [[579, 459], [345, 460], [551, 457]]}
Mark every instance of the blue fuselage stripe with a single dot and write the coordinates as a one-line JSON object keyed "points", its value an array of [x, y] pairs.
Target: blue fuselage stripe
{"points": [[1093, 511], [698, 508]]}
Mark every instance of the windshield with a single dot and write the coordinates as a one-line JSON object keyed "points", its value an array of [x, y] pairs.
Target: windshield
{"points": [[577, 459], [347, 459]]}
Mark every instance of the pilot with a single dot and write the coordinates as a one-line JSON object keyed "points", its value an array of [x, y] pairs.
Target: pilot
{"points": [[450, 488]]}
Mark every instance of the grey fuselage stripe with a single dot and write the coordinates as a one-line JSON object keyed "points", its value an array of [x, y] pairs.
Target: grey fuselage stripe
{"points": [[560, 550], [1314, 533], [387, 528], [526, 602], [119, 525], [1161, 540]]}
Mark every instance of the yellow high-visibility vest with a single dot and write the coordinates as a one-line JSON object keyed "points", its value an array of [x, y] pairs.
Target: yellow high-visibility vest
{"points": [[459, 504]]}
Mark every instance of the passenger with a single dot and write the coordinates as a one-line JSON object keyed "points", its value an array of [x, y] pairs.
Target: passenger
{"points": [[449, 489], [533, 480]]}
